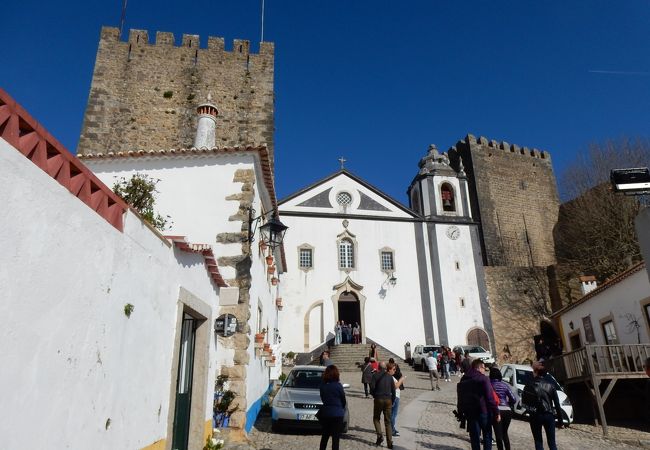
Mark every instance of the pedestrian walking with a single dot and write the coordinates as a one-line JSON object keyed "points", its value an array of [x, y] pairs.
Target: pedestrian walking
{"points": [[325, 359], [331, 414], [477, 404], [541, 402], [383, 391], [373, 351], [506, 401], [432, 365], [444, 362], [366, 375], [466, 363], [399, 379]]}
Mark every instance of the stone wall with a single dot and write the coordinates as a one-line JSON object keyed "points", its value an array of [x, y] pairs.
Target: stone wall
{"points": [[514, 194], [519, 299], [144, 96]]}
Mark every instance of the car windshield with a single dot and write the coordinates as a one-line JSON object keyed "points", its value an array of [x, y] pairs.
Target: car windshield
{"points": [[476, 349], [304, 379], [431, 348]]}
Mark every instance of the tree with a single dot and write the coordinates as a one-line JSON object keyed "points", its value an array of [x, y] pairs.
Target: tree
{"points": [[595, 232], [140, 192]]}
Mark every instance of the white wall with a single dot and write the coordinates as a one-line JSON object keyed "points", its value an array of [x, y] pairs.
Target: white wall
{"points": [[625, 297], [392, 320], [193, 191], [71, 358]]}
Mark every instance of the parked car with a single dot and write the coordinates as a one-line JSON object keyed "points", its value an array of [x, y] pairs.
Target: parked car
{"points": [[517, 375], [298, 400], [422, 351], [475, 352]]}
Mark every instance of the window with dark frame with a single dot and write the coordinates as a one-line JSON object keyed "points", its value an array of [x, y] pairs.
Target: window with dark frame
{"points": [[306, 258], [387, 261], [447, 196]]}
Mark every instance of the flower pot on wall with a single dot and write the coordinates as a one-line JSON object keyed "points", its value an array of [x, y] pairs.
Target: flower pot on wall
{"points": [[259, 338], [271, 270], [269, 260], [262, 246], [275, 281]]}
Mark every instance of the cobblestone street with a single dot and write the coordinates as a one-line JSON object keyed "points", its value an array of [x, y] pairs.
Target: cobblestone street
{"points": [[425, 421]]}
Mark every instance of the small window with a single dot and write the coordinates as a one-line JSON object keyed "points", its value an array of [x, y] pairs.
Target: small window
{"points": [[610, 333], [387, 261], [259, 317], [447, 197], [306, 258], [346, 254], [343, 198], [462, 302], [457, 265]]}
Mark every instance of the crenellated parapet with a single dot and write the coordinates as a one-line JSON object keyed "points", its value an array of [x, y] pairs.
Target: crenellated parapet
{"points": [[144, 95], [481, 141], [166, 39]]}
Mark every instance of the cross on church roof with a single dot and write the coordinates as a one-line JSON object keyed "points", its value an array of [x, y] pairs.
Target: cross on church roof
{"points": [[342, 160]]}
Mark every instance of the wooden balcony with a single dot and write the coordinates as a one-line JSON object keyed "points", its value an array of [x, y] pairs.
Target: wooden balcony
{"points": [[602, 361], [600, 367]]}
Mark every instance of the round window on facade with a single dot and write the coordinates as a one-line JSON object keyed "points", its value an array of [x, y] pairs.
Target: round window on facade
{"points": [[343, 199]]}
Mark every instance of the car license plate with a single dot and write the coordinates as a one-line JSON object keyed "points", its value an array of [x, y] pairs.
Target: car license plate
{"points": [[307, 417]]}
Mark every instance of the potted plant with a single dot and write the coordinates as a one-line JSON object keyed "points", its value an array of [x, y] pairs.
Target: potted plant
{"points": [[271, 270], [269, 260], [262, 246], [275, 281], [278, 302]]}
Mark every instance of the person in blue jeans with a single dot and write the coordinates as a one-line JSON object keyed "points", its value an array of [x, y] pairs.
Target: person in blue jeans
{"points": [[542, 403], [398, 385], [477, 404]]}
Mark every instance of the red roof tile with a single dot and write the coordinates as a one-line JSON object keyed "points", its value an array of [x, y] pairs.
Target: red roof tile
{"points": [[204, 249]]}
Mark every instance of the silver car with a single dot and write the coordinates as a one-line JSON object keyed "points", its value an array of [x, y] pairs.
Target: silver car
{"points": [[296, 403]]}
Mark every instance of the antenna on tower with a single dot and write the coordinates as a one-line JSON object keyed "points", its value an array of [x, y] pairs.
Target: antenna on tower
{"points": [[262, 27], [123, 16]]}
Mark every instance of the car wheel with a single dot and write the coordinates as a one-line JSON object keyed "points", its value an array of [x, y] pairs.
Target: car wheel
{"points": [[275, 426]]}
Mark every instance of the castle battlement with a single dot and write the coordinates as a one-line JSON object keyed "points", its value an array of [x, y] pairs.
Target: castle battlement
{"points": [[140, 38], [481, 141]]}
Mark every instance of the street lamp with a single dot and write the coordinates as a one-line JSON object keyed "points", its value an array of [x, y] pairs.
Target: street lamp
{"points": [[392, 280], [272, 232]]}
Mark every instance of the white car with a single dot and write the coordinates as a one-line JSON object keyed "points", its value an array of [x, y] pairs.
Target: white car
{"points": [[422, 351], [517, 375], [475, 352]]}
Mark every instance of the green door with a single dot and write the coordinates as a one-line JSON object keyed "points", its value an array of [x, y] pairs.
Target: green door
{"points": [[184, 384]]}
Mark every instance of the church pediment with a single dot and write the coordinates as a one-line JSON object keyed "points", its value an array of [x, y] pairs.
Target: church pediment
{"points": [[343, 193]]}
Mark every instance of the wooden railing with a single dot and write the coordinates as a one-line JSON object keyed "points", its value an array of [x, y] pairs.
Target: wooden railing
{"points": [[608, 361]]}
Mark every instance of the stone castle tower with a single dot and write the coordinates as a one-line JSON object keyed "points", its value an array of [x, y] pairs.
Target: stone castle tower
{"points": [[144, 96], [513, 193]]}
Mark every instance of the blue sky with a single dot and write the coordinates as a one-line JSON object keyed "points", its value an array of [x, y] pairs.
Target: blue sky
{"points": [[375, 81]]}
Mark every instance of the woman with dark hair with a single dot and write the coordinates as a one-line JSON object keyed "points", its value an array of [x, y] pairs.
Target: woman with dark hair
{"points": [[506, 401], [373, 352], [331, 413]]}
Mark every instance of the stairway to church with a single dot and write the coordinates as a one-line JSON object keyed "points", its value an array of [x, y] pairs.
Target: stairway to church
{"points": [[349, 357]]}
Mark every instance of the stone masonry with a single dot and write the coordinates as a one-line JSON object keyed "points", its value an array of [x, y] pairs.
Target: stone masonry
{"points": [[144, 96], [514, 195]]}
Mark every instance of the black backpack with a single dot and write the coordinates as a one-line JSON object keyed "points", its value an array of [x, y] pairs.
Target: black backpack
{"points": [[469, 397]]}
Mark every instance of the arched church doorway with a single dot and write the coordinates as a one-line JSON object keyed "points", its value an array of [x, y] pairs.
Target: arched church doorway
{"points": [[349, 308], [478, 336]]}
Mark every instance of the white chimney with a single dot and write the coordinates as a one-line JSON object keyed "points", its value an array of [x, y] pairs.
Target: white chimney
{"points": [[587, 284], [207, 125]]}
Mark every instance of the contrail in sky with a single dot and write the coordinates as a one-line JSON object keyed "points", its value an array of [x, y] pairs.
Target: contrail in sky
{"points": [[620, 72]]}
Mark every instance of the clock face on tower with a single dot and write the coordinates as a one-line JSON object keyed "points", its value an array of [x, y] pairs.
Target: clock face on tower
{"points": [[453, 232]]}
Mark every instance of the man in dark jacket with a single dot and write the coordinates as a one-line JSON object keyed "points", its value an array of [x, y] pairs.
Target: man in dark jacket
{"points": [[541, 401], [477, 404], [382, 388]]}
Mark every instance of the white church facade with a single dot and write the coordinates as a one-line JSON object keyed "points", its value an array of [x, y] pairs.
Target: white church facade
{"points": [[404, 274]]}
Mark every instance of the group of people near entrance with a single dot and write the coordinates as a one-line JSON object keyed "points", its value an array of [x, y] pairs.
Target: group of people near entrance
{"points": [[346, 333], [485, 405]]}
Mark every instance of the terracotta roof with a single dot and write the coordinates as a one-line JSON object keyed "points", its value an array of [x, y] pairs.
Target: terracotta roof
{"points": [[204, 249], [261, 150], [617, 279], [23, 132]]}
